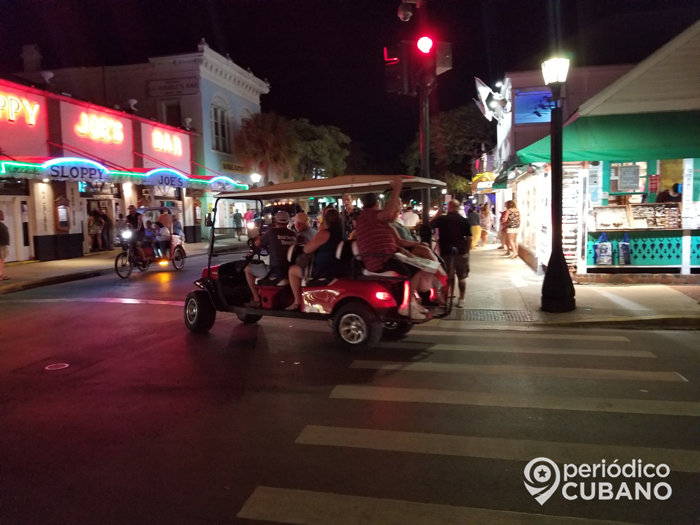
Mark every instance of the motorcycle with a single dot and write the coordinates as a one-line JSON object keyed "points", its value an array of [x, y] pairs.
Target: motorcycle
{"points": [[129, 257]]}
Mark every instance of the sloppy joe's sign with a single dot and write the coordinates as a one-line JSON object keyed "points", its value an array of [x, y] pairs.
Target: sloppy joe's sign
{"points": [[166, 177], [76, 170]]}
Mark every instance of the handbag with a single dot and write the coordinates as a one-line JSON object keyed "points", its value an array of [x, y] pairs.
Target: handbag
{"points": [[304, 259], [602, 251]]}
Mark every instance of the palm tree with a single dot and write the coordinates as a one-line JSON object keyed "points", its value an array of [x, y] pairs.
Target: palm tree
{"points": [[267, 142]]}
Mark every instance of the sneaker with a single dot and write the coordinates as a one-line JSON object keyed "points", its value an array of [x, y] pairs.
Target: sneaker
{"points": [[415, 314], [460, 303]]}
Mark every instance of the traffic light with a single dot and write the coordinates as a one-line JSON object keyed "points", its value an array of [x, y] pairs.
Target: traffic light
{"points": [[397, 69], [424, 69]]}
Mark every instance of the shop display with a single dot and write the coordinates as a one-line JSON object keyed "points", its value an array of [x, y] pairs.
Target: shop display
{"points": [[611, 218], [666, 216], [571, 192]]}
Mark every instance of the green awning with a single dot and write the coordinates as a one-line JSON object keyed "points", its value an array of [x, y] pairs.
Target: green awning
{"points": [[624, 138]]}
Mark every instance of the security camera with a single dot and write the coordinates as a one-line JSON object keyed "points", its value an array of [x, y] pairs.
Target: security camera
{"points": [[405, 12]]}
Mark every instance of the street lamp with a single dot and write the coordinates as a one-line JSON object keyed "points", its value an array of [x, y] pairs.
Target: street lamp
{"points": [[557, 289], [255, 177]]}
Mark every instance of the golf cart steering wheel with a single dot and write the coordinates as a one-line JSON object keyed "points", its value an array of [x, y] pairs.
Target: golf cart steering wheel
{"points": [[253, 247]]}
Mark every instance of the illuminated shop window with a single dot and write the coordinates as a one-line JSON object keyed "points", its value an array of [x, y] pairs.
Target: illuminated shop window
{"points": [[220, 130], [533, 105]]}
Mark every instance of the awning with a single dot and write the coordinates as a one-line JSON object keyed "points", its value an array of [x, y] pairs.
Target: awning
{"points": [[624, 138]]}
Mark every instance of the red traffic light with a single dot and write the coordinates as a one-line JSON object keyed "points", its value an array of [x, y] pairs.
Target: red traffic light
{"points": [[425, 44]]}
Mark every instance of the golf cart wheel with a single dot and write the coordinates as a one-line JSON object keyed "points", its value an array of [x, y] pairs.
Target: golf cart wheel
{"points": [[356, 327], [178, 259], [123, 265], [200, 313], [143, 265], [249, 318], [396, 330]]}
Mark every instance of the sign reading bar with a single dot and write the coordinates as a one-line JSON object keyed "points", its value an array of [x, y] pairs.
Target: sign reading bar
{"points": [[173, 87]]}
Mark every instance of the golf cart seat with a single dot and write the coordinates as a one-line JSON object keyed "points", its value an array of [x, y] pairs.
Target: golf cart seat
{"points": [[365, 271]]}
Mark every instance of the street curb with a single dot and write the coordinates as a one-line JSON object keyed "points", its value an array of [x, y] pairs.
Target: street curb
{"points": [[659, 322], [48, 281], [60, 279]]}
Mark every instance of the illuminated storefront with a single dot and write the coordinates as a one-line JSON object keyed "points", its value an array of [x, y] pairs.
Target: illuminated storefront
{"points": [[89, 159]]}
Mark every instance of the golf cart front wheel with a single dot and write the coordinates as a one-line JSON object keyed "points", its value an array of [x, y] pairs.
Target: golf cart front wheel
{"points": [[200, 313]]}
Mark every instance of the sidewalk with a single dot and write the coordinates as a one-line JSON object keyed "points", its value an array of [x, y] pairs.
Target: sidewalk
{"points": [[509, 285], [31, 274], [500, 292]]}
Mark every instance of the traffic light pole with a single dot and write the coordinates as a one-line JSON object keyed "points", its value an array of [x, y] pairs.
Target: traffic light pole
{"points": [[425, 232]]}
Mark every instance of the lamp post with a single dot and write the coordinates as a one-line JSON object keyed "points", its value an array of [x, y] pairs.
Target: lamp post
{"points": [[255, 178], [557, 289]]}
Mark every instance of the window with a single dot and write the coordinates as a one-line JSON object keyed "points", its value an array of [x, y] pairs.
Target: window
{"points": [[220, 130], [172, 114], [533, 106]]}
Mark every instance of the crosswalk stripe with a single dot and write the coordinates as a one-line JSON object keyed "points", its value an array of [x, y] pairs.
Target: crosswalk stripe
{"points": [[511, 370], [322, 508], [495, 448], [406, 345], [502, 334], [490, 399]]}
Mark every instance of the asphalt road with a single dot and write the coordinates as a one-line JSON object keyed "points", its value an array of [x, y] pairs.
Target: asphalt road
{"points": [[150, 424]]}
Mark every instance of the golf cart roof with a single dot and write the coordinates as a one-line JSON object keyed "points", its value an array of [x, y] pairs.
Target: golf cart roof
{"points": [[355, 184]]}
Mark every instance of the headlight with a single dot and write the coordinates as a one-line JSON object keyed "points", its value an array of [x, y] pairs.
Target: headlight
{"points": [[126, 234], [250, 225]]}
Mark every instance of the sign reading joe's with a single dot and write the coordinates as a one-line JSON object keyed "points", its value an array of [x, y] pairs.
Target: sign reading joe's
{"points": [[166, 177]]}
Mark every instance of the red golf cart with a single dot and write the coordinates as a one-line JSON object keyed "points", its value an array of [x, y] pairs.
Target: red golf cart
{"points": [[362, 307]]}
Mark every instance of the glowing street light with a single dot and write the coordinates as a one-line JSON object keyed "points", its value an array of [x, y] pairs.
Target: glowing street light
{"points": [[255, 177]]}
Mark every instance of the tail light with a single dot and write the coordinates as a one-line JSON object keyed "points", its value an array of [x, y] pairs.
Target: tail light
{"points": [[432, 294], [211, 273], [406, 295]]}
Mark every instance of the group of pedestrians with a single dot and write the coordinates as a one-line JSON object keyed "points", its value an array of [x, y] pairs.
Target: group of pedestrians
{"points": [[378, 235]]}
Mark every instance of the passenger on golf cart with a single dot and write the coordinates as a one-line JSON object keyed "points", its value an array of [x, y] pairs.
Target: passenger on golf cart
{"points": [[323, 245], [375, 235], [277, 241]]}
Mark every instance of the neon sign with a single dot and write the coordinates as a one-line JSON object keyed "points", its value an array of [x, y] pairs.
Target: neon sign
{"points": [[166, 177], [165, 142], [11, 106], [100, 128], [77, 169]]}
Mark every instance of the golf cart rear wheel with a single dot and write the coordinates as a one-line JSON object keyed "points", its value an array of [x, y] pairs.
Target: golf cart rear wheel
{"points": [[356, 327], [123, 266], [396, 330], [249, 318], [200, 313], [178, 259]]}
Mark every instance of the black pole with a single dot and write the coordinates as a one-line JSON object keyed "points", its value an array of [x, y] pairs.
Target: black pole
{"points": [[425, 232], [557, 289]]}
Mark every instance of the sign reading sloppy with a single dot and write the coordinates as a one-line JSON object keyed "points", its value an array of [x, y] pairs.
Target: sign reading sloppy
{"points": [[11, 106], [100, 128], [75, 169]]}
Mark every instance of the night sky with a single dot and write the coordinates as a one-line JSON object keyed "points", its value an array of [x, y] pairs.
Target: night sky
{"points": [[324, 58]]}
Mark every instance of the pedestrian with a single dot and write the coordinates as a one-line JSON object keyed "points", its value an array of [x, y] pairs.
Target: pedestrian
{"points": [[475, 222], [107, 231], [95, 225], [512, 220], [121, 223], [502, 230], [486, 223], [238, 223], [455, 242], [4, 246]]}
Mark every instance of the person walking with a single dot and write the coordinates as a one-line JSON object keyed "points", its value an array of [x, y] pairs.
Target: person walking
{"points": [[4, 246], [486, 223], [238, 223], [455, 242], [95, 225], [512, 220], [475, 223]]}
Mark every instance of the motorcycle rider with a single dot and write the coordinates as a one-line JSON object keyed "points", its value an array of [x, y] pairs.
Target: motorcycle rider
{"points": [[135, 223]]}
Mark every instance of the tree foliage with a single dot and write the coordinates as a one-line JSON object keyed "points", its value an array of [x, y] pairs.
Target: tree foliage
{"points": [[456, 138], [321, 150], [267, 142]]}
